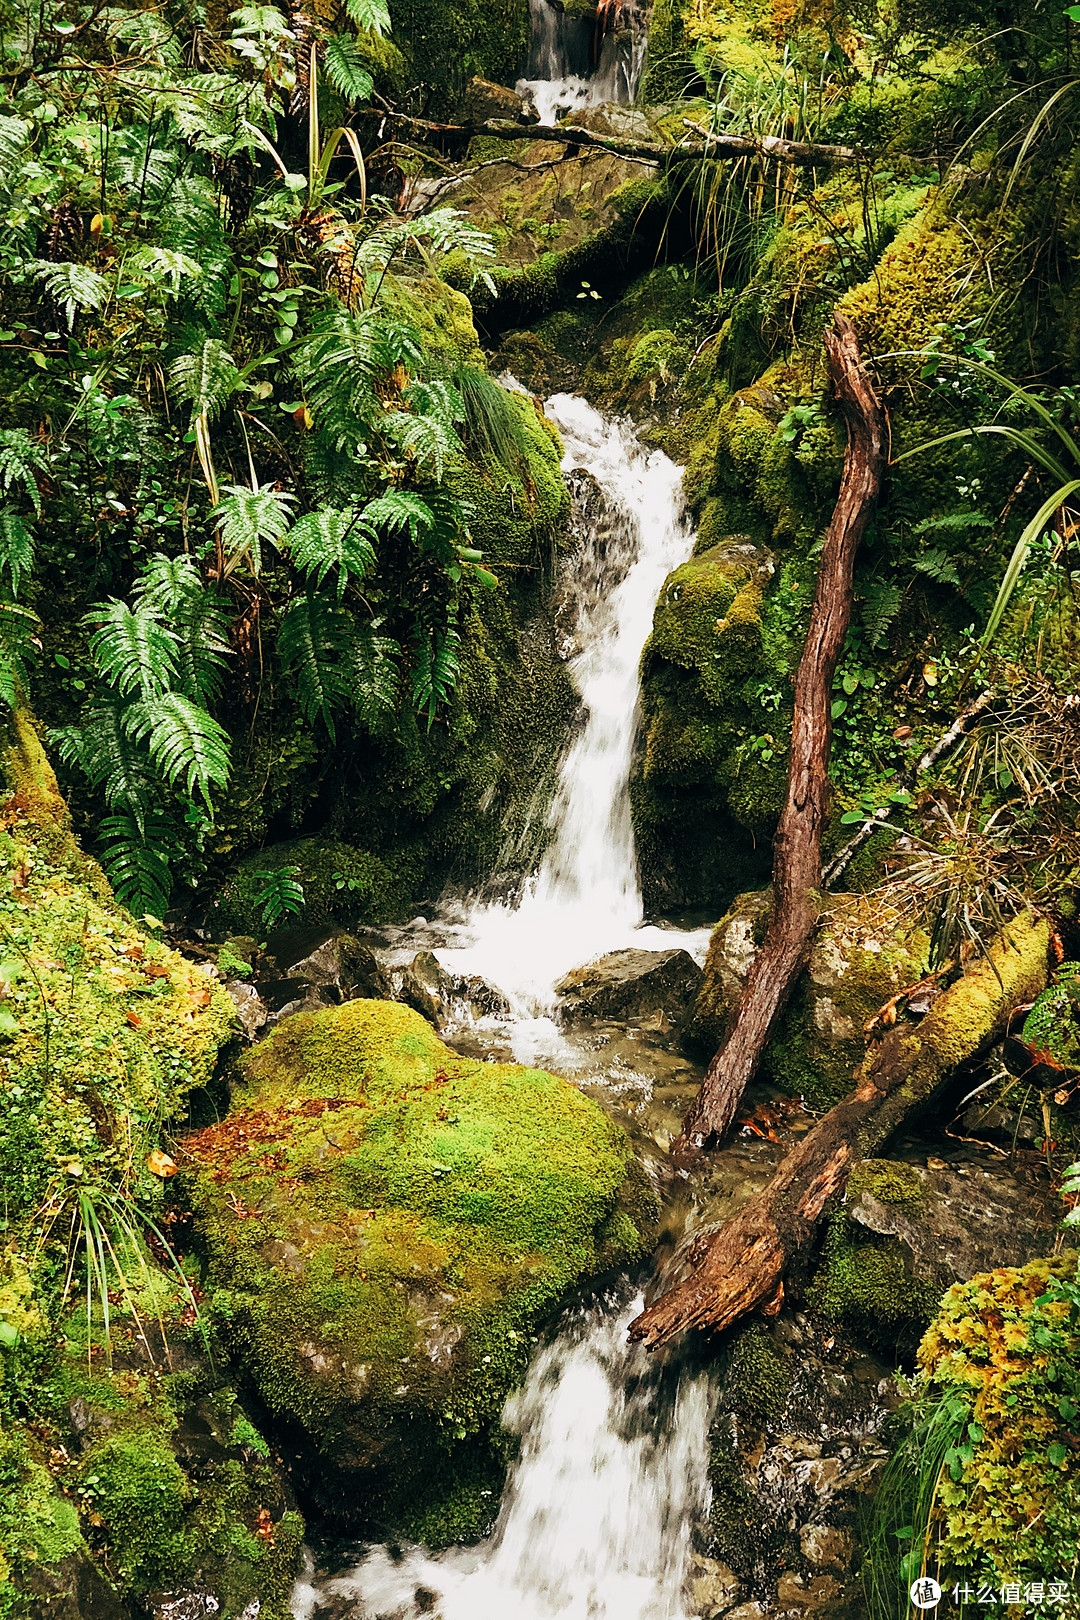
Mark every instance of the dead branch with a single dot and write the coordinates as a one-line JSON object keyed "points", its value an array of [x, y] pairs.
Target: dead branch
{"points": [[740, 1266], [797, 847]]}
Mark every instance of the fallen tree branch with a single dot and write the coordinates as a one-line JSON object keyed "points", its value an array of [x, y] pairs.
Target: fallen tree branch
{"points": [[717, 146], [797, 847], [948, 740], [741, 1266]]}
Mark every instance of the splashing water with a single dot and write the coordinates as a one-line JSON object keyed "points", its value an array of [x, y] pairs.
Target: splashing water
{"points": [[560, 76], [599, 1510], [586, 897]]}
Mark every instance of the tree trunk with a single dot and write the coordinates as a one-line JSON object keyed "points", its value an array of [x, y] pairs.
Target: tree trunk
{"points": [[741, 1266], [797, 847]]}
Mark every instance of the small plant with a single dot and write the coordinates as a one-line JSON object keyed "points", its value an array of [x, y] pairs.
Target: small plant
{"points": [[281, 895]]}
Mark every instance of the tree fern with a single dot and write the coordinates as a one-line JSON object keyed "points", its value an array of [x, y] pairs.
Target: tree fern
{"points": [[250, 516], [344, 64], [206, 377], [187, 744], [199, 617], [132, 650], [72, 287], [20, 460], [134, 858], [16, 547], [313, 644], [328, 539]]}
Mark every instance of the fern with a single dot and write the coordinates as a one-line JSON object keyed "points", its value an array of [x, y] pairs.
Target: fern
{"points": [[330, 539], [374, 677], [938, 565], [135, 863], [20, 459], [281, 894], [18, 627], [72, 286], [435, 669], [879, 606], [399, 510], [427, 439], [199, 617], [187, 744], [250, 516], [954, 520], [108, 756], [372, 15], [206, 378], [14, 134], [341, 364], [16, 547], [344, 65], [313, 644], [166, 266], [132, 650]]}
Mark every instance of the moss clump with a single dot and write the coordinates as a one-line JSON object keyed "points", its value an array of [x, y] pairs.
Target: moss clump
{"points": [[864, 1283], [37, 1526], [757, 1378], [339, 882], [888, 1180], [386, 1224]]}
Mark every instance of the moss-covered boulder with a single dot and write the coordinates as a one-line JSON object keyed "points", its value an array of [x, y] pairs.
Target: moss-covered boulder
{"points": [[386, 1225]]}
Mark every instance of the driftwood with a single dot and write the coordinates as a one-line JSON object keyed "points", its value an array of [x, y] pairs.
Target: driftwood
{"points": [[797, 847], [740, 1267], [802, 154]]}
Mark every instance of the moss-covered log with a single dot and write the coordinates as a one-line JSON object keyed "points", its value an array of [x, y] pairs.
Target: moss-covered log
{"points": [[741, 1266], [797, 860]]}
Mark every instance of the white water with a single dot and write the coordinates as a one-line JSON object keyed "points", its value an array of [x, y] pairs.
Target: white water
{"points": [[586, 897], [560, 76], [599, 1509]]}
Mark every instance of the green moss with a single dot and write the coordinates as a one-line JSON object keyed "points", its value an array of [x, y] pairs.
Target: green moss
{"points": [[864, 1283], [890, 1181], [417, 1215], [757, 1377], [444, 48], [37, 1526], [339, 881], [140, 1491]]}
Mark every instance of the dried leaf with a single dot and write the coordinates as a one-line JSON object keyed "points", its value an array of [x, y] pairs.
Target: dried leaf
{"points": [[159, 1164]]}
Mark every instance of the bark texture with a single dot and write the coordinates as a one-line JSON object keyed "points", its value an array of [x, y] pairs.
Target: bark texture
{"points": [[797, 847], [740, 1266]]}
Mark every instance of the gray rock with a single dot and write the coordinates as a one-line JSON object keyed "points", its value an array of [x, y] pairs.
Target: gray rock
{"points": [[442, 997], [484, 100], [250, 1007], [328, 958], [631, 984]]}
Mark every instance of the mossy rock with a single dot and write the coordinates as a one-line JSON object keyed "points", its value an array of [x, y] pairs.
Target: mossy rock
{"points": [[386, 1226], [340, 884]]}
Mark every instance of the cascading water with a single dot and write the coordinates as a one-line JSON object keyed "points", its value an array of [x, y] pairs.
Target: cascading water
{"points": [[599, 1511], [562, 77], [586, 897]]}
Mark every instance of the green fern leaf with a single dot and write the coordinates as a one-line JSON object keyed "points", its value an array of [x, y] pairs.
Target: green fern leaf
{"points": [[14, 134], [132, 650], [344, 64], [206, 378], [187, 745], [20, 459], [373, 15], [313, 643], [435, 668], [16, 547], [329, 539], [101, 747], [73, 286], [135, 862], [937, 563], [166, 266], [400, 509], [375, 677], [250, 516], [173, 588], [18, 627]]}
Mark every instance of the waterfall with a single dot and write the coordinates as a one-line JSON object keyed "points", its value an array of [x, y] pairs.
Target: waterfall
{"points": [[586, 897], [599, 1510], [561, 76]]}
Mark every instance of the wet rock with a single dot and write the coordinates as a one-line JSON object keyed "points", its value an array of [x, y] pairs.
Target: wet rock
{"points": [[251, 1010], [631, 984], [484, 100], [713, 1591], [328, 958], [71, 1589], [440, 996], [183, 1605]]}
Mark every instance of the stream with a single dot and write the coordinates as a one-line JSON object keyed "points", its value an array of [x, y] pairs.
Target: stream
{"points": [[566, 72]]}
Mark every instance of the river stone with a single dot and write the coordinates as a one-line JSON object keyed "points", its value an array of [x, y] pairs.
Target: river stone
{"points": [[438, 995], [630, 984], [326, 957], [387, 1225], [484, 100]]}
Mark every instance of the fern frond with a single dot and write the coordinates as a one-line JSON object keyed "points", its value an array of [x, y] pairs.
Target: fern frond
{"points": [[18, 627], [132, 650], [375, 677], [205, 377], [400, 509], [330, 539], [16, 547], [938, 565], [250, 516], [14, 134], [373, 15], [101, 747], [954, 520], [879, 605], [20, 458], [135, 863], [72, 286], [187, 745], [198, 616], [435, 668], [341, 364], [313, 644], [429, 442], [344, 64], [166, 266]]}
